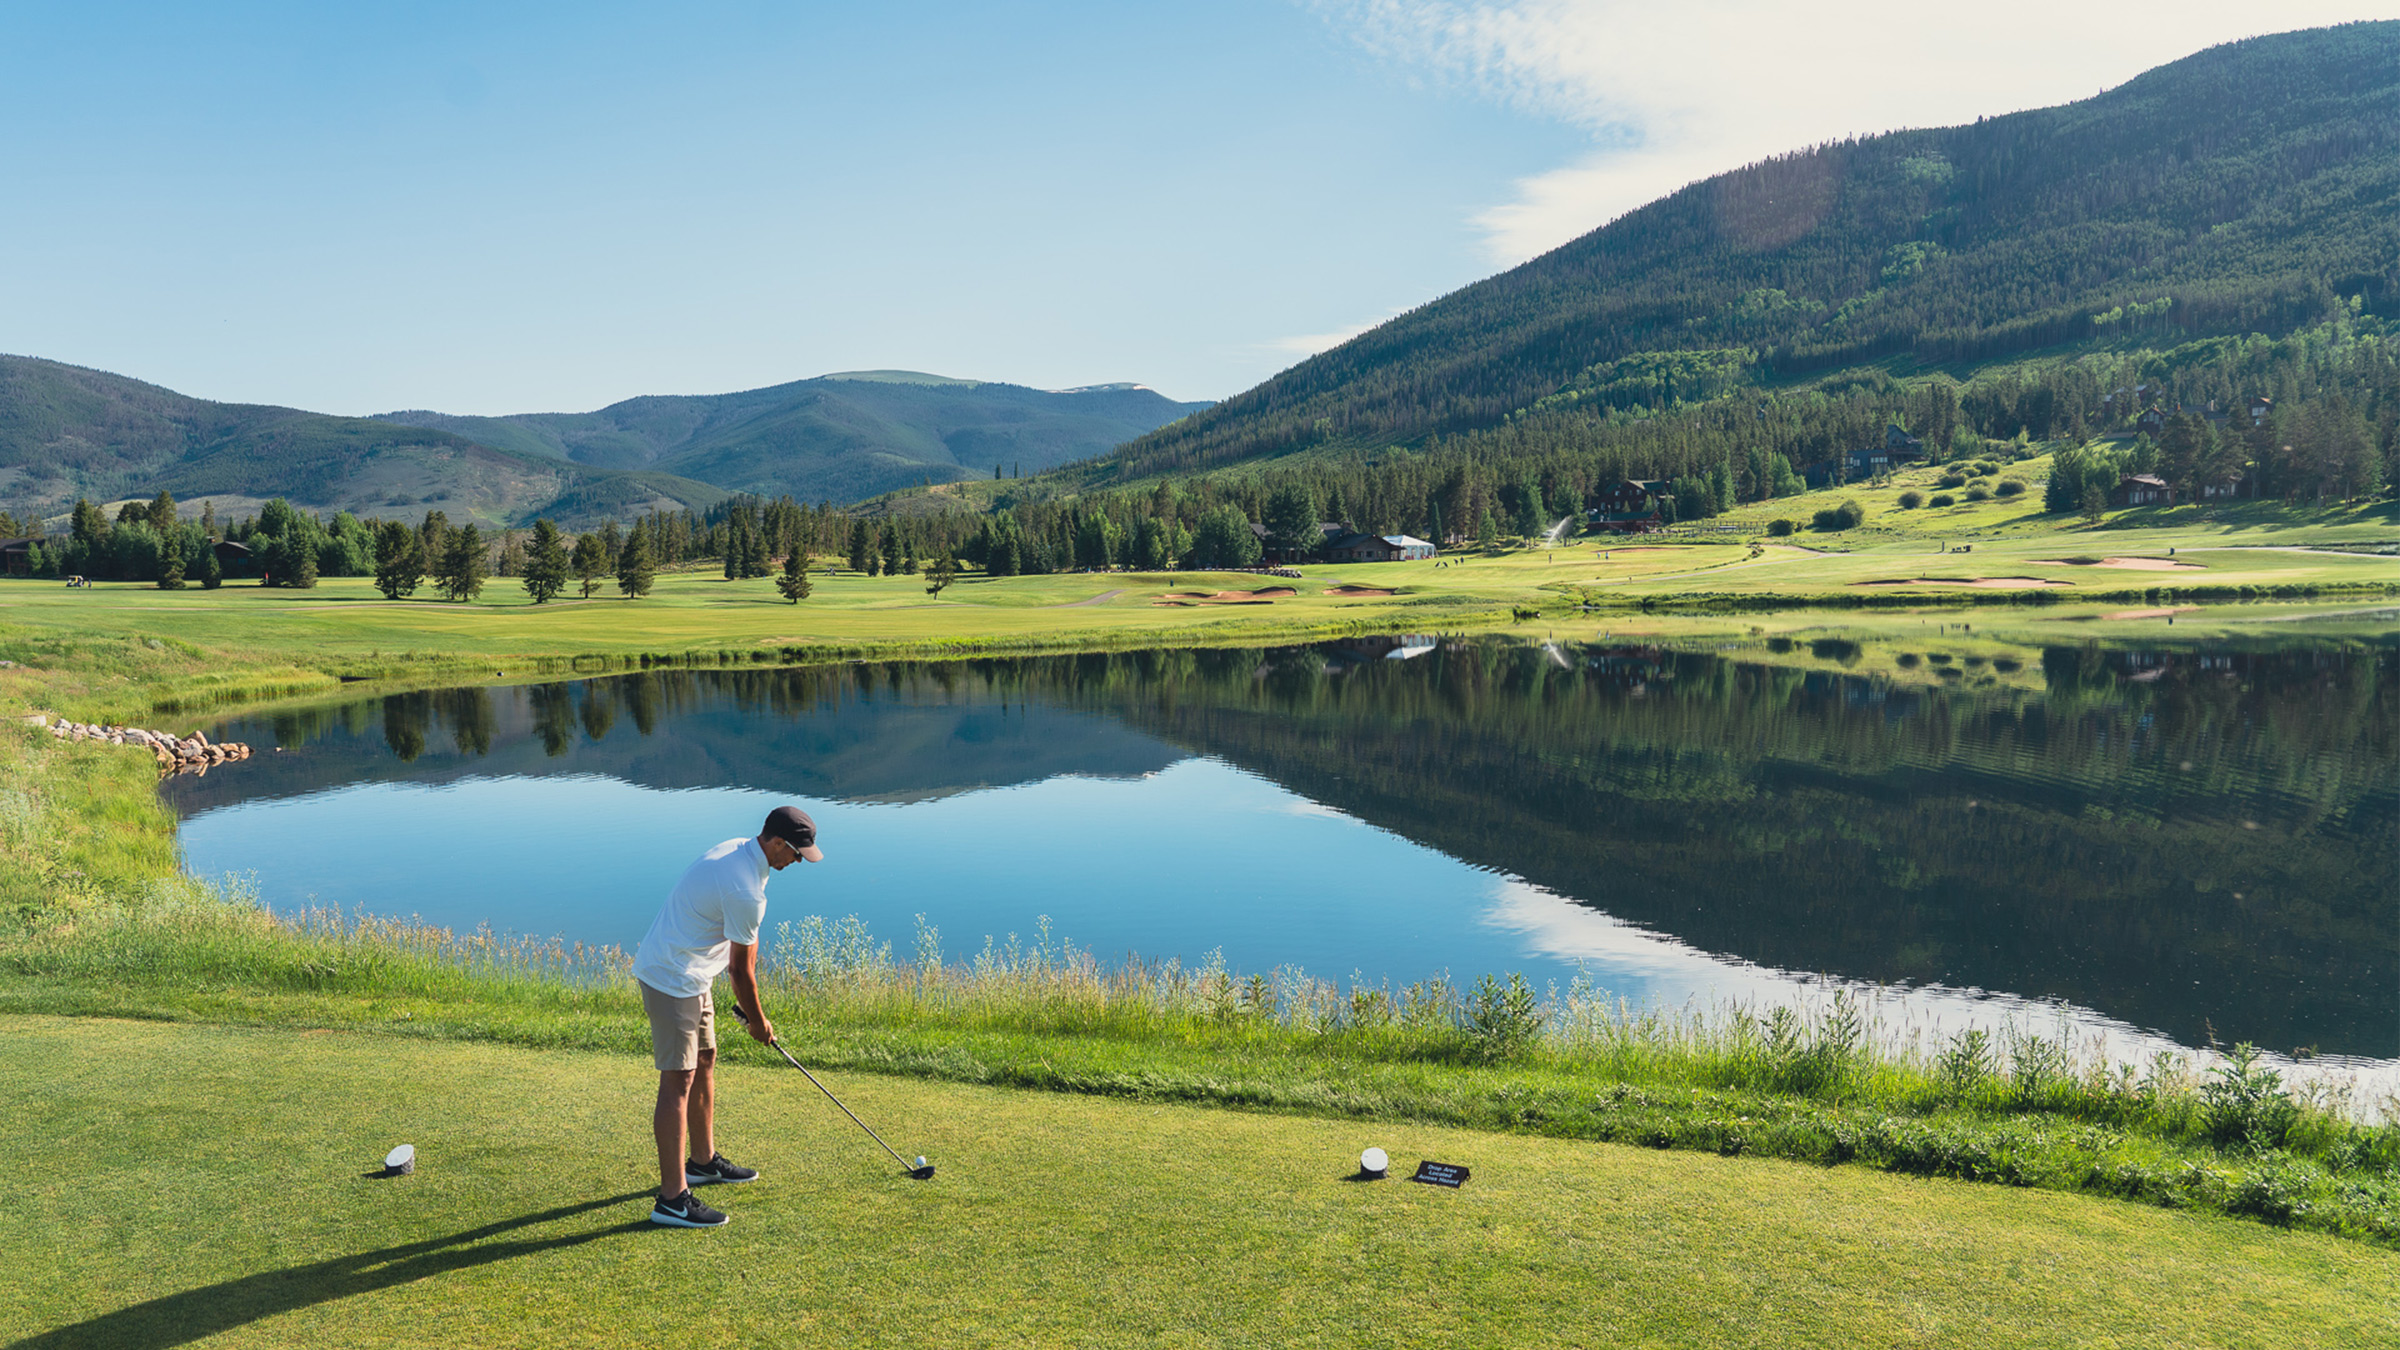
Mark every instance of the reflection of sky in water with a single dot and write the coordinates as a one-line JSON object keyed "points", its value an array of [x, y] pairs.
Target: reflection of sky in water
{"points": [[1198, 856]]}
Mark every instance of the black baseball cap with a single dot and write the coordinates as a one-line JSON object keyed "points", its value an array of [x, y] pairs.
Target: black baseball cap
{"points": [[792, 825]]}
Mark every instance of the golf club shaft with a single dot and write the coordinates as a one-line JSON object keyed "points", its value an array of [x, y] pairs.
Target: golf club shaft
{"points": [[787, 1058]]}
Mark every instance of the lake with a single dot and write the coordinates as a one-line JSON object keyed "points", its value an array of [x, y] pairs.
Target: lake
{"points": [[2163, 845]]}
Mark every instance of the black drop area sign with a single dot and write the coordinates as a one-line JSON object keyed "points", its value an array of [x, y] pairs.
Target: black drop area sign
{"points": [[1441, 1174]]}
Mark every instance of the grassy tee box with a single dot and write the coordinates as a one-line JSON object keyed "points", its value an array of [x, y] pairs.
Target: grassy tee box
{"points": [[222, 1191]]}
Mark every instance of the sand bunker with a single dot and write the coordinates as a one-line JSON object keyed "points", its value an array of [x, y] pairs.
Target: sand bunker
{"points": [[1977, 583], [1359, 590], [2124, 564], [2166, 613], [1171, 604], [1186, 595], [1265, 595]]}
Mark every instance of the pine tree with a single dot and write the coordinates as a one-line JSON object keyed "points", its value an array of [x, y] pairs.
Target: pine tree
{"points": [[862, 545], [170, 568], [590, 562], [545, 563], [634, 569], [433, 539], [399, 559], [794, 582], [943, 571], [212, 572], [208, 519], [890, 542], [301, 572], [161, 514], [463, 565]]}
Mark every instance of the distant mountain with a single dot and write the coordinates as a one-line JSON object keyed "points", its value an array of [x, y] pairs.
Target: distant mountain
{"points": [[2254, 187], [67, 432], [840, 437]]}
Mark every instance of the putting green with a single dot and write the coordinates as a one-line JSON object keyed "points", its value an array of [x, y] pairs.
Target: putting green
{"points": [[175, 1183]]}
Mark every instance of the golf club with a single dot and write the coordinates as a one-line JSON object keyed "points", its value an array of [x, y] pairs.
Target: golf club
{"points": [[922, 1171]]}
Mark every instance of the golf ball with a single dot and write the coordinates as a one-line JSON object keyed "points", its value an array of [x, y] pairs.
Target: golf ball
{"points": [[1374, 1160], [920, 1160]]}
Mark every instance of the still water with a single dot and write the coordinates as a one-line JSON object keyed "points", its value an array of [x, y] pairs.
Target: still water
{"points": [[2160, 844]]}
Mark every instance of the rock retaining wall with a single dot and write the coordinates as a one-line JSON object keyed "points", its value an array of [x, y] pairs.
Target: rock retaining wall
{"points": [[175, 754]]}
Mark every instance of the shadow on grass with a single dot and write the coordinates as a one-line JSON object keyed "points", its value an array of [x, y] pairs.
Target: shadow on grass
{"points": [[195, 1314]]}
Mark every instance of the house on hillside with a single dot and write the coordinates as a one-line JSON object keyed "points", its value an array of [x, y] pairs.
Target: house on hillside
{"points": [[2141, 489], [1898, 448], [16, 556], [1626, 495], [236, 561], [1377, 548], [2152, 421], [2240, 485], [1642, 521], [1270, 551], [2261, 408]]}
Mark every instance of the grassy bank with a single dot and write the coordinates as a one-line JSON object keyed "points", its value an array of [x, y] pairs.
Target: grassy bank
{"points": [[218, 1193], [1829, 1085]]}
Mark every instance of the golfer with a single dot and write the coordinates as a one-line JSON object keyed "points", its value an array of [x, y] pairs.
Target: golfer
{"points": [[710, 925]]}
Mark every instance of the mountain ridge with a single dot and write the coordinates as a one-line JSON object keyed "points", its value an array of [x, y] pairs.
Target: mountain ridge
{"points": [[71, 431], [2252, 186]]}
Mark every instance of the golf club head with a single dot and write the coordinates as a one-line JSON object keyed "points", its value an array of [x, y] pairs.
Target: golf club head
{"points": [[924, 1173]]}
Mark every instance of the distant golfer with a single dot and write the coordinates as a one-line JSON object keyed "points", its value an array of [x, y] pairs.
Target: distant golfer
{"points": [[710, 924]]}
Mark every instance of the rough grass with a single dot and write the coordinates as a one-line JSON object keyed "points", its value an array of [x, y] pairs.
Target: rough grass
{"points": [[219, 1192], [1828, 1085]]}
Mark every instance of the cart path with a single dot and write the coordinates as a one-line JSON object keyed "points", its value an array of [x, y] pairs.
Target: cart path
{"points": [[1101, 599]]}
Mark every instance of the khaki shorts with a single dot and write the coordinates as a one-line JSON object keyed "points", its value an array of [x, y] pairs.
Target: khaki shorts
{"points": [[680, 1028]]}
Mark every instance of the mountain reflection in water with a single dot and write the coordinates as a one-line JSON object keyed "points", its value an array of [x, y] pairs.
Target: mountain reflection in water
{"points": [[2201, 843]]}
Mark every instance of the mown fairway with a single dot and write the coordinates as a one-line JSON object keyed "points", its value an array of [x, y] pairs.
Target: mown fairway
{"points": [[200, 1183], [2087, 576]]}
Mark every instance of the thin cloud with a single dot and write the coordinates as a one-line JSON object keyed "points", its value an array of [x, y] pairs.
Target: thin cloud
{"points": [[1672, 93], [1309, 344]]}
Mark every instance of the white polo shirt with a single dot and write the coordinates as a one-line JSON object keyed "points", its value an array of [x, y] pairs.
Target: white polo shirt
{"points": [[721, 900]]}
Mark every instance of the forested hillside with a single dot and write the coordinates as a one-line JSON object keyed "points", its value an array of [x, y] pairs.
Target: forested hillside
{"points": [[2253, 187], [837, 437], [67, 432]]}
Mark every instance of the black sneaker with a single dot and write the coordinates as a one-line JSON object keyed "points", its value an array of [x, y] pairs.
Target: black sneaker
{"points": [[716, 1169], [686, 1211]]}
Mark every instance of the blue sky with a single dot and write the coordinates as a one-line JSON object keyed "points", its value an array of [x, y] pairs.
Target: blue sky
{"points": [[488, 209]]}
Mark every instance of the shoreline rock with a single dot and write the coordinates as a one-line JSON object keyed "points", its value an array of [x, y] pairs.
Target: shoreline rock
{"points": [[175, 754]]}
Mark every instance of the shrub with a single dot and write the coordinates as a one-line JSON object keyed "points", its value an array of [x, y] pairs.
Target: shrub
{"points": [[2246, 1105], [1847, 516], [1780, 527], [2010, 487], [1983, 468], [1503, 1019], [1979, 493], [1943, 499], [1911, 500], [1953, 479]]}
